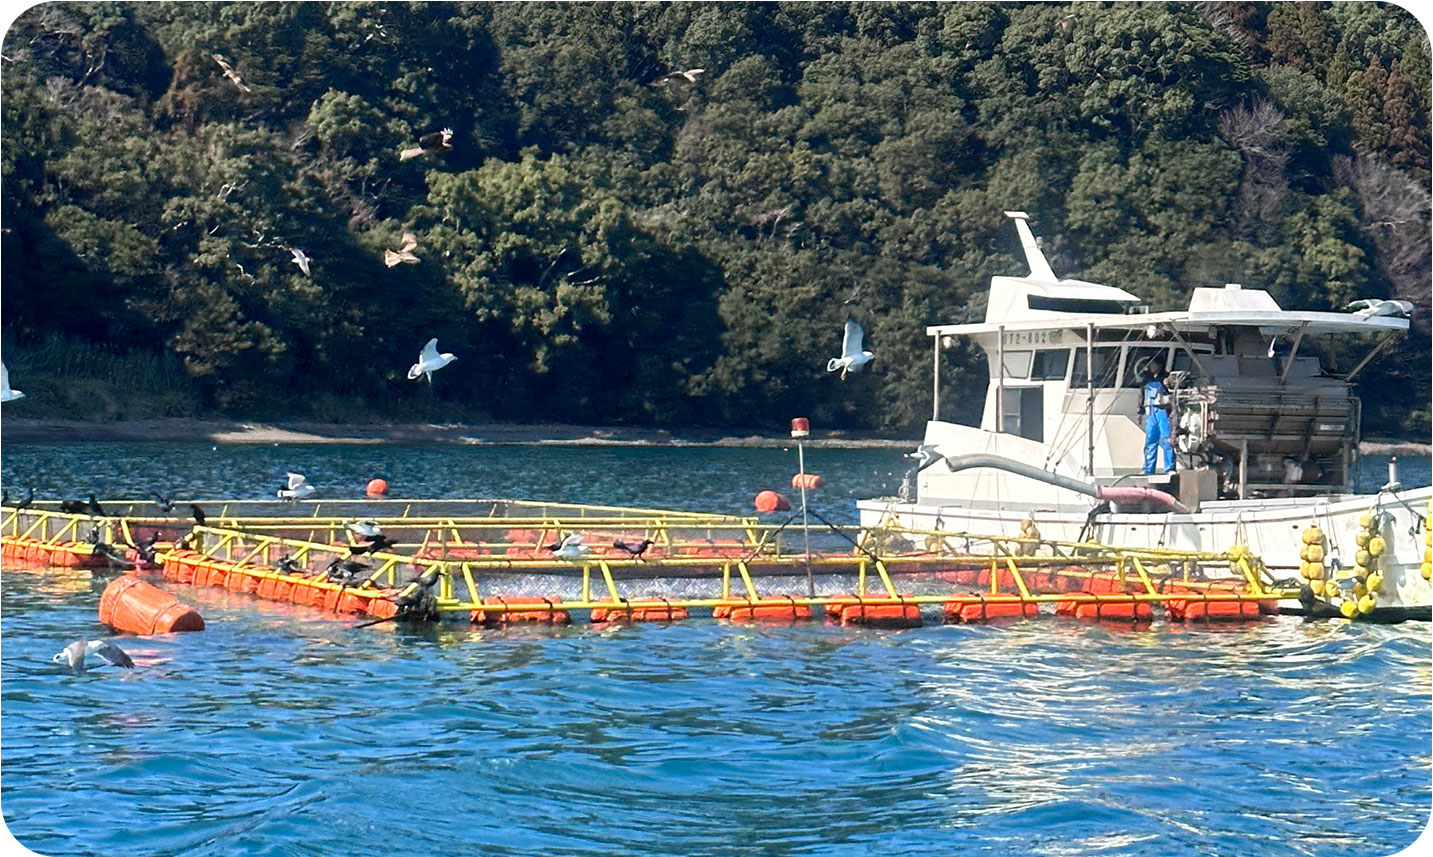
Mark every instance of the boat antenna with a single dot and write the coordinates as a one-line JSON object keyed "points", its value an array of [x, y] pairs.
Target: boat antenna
{"points": [[1039, 268]]}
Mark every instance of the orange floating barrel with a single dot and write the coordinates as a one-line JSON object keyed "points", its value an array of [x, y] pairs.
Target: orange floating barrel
{"points": [[770, 501], [641, 610], [781, 608], [377, 487], [1199, 610], [809, 481], [854, 610], [129, 604], [964, 612], [495, 616]]}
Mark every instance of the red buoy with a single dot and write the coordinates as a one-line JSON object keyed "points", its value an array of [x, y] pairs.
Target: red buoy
{"points": [[377, 487], [809, 481], [770, 501]]}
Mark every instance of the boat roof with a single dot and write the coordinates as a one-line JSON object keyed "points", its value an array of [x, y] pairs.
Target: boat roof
{"points": [[1269, 322]]}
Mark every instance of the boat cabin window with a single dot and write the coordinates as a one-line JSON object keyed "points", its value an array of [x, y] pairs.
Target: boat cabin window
{"points": [[1017, 364], [1107, 364], [1050, 365], [1022, 412], [1136, 359], [1075, 305]]}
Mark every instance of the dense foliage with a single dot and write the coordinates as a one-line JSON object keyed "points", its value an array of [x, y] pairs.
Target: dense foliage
{"points": [[606, 241]]}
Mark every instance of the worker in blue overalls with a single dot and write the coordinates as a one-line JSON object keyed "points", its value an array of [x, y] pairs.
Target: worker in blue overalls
{"points": [[1154, 404]]}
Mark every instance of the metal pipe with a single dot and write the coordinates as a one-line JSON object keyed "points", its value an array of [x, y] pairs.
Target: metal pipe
{"points": [[935, 397], [1090, 397], [1000, 381], [1099, 492]]}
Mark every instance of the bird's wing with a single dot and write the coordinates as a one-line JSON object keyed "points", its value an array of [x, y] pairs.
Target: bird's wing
{"points": [[295, 480], [223, 63], [110, 652], [4, 378], [1354, 306], [390, 258], [405, 154], [410, 243], [430, 351], [851, 343]]}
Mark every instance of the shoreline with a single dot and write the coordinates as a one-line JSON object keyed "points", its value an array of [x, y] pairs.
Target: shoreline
{"points": [[484, 434], [480, 434]]}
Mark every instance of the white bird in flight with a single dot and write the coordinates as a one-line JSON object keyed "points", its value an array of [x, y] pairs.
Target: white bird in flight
{"points": [[296, 488], [300, 259], [405, 252], [572, 547], [7, 394], [1370, 307], [690, 76], [73, 655], [429, 361], [852, 357]]}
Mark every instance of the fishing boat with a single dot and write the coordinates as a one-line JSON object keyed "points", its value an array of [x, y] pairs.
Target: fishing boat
{"points": [[1266, 436]]}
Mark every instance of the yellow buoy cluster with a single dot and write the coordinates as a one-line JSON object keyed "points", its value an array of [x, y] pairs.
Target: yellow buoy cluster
{"points": [[1427, 568], [1311, 559], [1356, 591]]}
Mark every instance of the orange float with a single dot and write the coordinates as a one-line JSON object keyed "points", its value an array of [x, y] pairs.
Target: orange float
{"points": [[129, 604], [769, 609]]}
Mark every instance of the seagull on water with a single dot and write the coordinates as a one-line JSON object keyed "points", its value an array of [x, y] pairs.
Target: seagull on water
{"points": [[429, 361], [438, 141], [405, 252], [7, 394], [297, 488], [852, 357], [571, 547], [300, 259], [73, 655], [1370, 307]]}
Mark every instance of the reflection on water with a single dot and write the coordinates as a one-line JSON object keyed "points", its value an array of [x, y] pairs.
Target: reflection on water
{"points": [[279, 731]]}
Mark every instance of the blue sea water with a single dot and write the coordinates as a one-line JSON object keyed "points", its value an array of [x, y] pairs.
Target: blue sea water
{"points": [[280, 731]]}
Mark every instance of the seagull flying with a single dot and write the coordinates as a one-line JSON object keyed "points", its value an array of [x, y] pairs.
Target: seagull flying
{"points": [[690, 76], [300, 259], [1370, 307], [7, 394], [429, 361], [73, 655], [852, 357], [439, 141], [165, 504], [230, 73], [404, 253], [297, 488], [571, 548]]}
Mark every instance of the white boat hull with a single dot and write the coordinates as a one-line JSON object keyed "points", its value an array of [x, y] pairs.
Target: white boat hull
{"points": [[1270, 528]]}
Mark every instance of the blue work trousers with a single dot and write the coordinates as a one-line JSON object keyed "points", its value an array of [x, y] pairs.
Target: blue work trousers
{"points": [[1156, 437]]}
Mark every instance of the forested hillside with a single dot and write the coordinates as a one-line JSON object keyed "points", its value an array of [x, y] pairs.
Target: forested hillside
{"points": [[605, 240]]}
